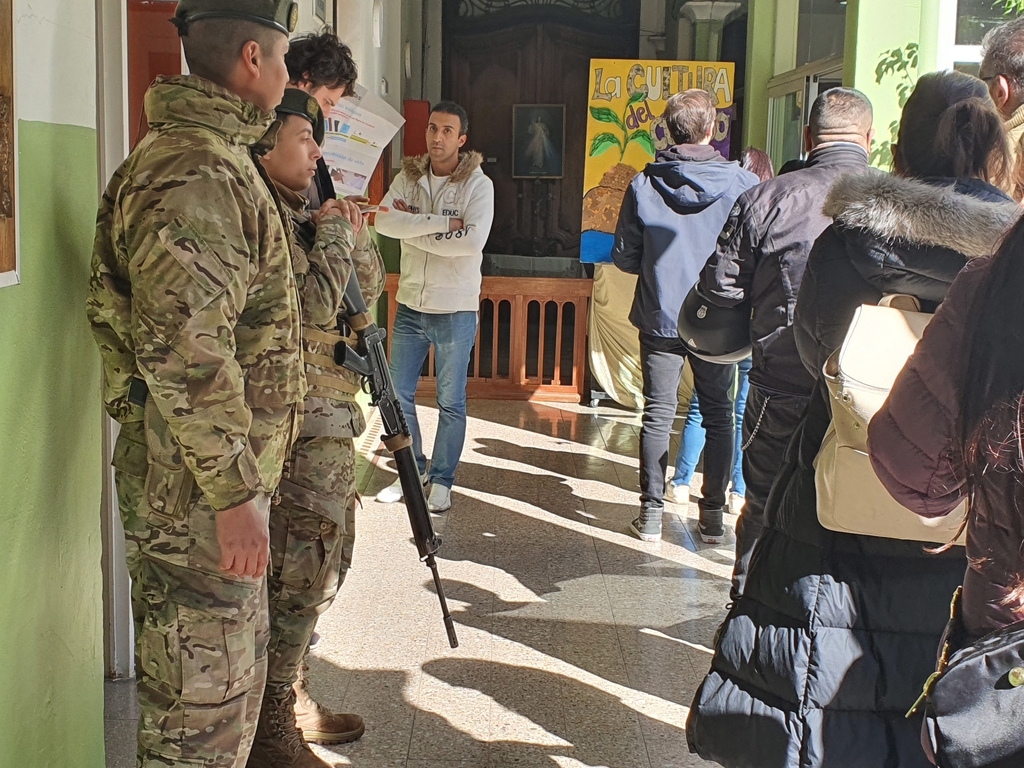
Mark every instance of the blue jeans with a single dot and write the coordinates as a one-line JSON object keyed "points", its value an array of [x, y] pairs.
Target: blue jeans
{"points": [[452, 336], [692, 443]]}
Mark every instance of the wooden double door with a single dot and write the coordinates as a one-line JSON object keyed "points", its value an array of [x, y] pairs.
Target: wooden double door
{"points": [[491, 65]]}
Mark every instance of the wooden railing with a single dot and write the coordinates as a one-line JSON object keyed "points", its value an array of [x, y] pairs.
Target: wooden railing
{"points": [[531, 343]]}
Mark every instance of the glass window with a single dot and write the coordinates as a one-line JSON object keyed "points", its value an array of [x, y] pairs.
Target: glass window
{"points": [[785, 128], [821, 30], [976, 17], [970, 67]]}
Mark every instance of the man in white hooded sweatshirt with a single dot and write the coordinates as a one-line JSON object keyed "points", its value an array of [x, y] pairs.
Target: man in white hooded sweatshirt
{"points": [[441, 208]]}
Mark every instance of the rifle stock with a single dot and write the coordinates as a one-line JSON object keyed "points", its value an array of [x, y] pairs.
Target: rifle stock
{"points": [[370, 361]]}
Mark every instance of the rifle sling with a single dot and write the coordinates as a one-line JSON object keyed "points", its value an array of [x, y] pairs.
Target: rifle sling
{"points": [[397, 443]]}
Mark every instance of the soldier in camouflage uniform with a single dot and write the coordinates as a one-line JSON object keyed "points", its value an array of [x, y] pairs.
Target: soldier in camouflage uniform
{"points": [[312, 525], [194, 307]]}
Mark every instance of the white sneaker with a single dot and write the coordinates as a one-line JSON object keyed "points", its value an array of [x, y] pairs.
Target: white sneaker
{"points": [[677, 494], [393, 493], [736, 503], [440, 499]]}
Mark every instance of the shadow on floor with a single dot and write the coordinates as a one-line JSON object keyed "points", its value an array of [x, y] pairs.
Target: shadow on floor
{"points": [[567, 718], [621, 629]]}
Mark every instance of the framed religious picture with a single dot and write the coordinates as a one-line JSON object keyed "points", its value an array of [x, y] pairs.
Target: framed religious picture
{"points": [[320, 9], [538, 141]]}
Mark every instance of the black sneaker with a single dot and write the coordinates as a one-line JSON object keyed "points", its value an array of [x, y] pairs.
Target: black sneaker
{"points": [[647, 527], [711, 527]]}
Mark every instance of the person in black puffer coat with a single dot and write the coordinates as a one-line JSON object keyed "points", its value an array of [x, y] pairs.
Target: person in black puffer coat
{"points": [[760, 259], [832, 640]]}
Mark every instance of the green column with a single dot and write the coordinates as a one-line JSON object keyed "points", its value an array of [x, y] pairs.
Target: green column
{"points": [[760, 68], [929, 36], [873, 29], [704, 30]]}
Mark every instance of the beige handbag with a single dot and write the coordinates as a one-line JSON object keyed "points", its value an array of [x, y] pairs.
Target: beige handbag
{"points": [[859, 375]]}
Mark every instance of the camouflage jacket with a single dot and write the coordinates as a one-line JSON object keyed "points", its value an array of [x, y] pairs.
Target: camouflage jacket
{"points": [[192, 289], [323, 256]]}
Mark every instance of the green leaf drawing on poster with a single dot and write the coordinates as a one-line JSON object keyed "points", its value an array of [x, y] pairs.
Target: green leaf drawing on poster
{"points": [[603, 142], [644, 139], [605, 115]]}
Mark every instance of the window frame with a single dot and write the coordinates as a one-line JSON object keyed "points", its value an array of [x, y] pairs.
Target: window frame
{"points": [[804, 82], [10, 233], [949, 53]]}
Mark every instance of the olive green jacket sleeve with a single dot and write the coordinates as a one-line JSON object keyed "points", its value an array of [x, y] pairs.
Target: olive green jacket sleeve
{"points": [[329, 267], [369, 266], [331, 260], [109, 309]]}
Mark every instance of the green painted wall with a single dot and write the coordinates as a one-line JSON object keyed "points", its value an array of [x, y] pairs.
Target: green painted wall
{"points": [[760, 68], [51, 674], [873, 28]]}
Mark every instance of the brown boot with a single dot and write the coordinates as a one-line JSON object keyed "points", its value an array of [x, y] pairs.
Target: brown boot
{"points": [[279, 742], [319, 725]]}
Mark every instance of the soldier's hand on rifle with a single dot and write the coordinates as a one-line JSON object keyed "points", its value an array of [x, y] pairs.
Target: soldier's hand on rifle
{"points": [[346, 209], [244, 539]]}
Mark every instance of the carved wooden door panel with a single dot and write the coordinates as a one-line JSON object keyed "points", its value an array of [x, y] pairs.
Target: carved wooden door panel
{"points": [[490, 69]]}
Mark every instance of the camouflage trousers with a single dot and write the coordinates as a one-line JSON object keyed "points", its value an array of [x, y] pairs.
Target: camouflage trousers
{"points": [[312, 533], [200, 635]]}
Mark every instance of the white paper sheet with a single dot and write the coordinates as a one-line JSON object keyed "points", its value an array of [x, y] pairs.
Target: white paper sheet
{"points": [[358, 129]]}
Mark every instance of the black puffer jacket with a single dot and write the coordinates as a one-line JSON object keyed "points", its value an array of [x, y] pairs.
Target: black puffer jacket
{"points": [[761, 256], [829, 646]]}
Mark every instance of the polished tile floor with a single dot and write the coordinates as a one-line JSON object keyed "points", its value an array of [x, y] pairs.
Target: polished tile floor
{"points": [[580, 646]]}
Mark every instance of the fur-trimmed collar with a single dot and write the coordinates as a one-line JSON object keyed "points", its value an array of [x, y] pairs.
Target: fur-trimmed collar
{"points": [[415, 168], [896, 208]]}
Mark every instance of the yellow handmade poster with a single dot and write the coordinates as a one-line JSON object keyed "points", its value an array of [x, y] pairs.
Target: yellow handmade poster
{"points": [[625, 129]]}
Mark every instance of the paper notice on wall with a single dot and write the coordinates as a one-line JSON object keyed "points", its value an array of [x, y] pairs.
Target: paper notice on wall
{"points": [[357, 131]]}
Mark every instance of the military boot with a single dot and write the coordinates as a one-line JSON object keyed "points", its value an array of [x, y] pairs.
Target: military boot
{"points": [[279, 742], [318, 724]]}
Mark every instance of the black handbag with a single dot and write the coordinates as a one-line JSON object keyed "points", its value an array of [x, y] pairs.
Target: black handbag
{"points": [[973, 703]]}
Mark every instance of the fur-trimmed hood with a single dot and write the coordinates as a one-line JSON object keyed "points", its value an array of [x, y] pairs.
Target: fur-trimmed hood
{"points": [[968, 217], [415, 168]]}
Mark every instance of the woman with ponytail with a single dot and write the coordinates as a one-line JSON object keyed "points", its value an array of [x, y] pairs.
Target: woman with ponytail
{"points": [[835, 634]]}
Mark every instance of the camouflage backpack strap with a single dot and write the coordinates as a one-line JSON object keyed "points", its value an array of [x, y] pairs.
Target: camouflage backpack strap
{"points": [[330, 380], [328, 337]]}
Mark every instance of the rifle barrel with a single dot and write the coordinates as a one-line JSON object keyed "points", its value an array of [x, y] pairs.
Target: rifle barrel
{"points": [[449, 622]]}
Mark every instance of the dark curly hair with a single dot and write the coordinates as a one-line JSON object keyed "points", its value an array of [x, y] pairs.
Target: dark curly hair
{"points": [[321, 59]]}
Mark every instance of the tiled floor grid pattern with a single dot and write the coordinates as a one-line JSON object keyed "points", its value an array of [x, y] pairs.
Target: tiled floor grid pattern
{"points": [[580, 645]]}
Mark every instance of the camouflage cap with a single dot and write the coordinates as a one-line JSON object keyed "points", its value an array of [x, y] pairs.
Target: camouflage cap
{"points": [[298, 102], [282, 15]]}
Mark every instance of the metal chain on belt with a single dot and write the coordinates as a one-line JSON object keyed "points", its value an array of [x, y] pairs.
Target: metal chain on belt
{"points": [[757, 426]]}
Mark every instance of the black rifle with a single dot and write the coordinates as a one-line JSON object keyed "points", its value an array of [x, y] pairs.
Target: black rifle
{"points": [[369, 360]]}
